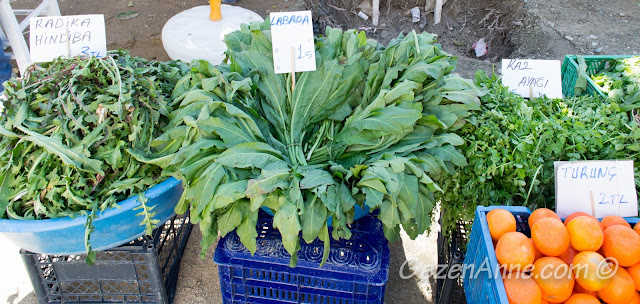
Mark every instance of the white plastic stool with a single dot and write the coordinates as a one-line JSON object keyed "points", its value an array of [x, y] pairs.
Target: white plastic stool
{"points": [[14, 31], [192, 35]]}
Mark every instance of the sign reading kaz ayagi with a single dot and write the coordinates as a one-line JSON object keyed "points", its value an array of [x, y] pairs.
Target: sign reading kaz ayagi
{"points": [[292, 39], [51, 37], [532, 78]]}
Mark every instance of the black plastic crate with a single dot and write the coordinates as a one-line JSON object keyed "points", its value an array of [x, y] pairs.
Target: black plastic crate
{"points": [[449, 288], [142, 271]]}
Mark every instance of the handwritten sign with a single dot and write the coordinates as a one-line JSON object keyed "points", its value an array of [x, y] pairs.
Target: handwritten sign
{"points": [[532, 78], [52, 37], [597, 187], [292, 39]]}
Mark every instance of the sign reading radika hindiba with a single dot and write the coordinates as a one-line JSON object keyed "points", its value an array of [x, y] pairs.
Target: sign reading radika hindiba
{"points": [[597, 187], [52, 37]]}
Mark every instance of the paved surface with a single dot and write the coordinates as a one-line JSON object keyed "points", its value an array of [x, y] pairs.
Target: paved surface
{"points": [[198, 280]]}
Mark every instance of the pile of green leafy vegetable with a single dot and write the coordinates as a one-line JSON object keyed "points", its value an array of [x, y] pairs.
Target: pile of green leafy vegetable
{"points": [[621, 81], [371, 126], [66, 128], [512, 142]]}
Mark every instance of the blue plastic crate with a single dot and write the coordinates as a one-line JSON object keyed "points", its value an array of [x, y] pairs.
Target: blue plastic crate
{"points": [[355, 273], [483, 284], [486, 286]]}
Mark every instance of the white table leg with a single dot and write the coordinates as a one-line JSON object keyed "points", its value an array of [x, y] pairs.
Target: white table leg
{"points": [[11, 28]]}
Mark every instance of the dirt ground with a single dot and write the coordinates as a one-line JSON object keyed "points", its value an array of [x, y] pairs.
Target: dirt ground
{"points": [[546, 29]]}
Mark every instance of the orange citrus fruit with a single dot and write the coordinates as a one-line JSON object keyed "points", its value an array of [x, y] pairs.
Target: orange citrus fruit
{"points": [[612, 220], [550, 236], [637, 227], [568, 255], [522, 290], [500, 222], [541, 213], [588, 270], [634, 271], [581, 298], [537, 253], [555, 279], [515, 252], [620, 289], [623, 244], [585, 234]]}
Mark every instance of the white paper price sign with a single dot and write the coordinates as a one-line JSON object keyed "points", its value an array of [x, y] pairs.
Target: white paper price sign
{"points": [[532, 78], [597, 187], [292, 39], [52, 37]]}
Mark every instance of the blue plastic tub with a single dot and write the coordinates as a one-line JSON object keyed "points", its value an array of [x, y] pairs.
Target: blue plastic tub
{"points": [[113, 227], [355, 273], [486, 286]]}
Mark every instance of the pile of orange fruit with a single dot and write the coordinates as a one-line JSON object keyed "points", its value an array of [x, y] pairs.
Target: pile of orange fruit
{"points": [[578, 261]]}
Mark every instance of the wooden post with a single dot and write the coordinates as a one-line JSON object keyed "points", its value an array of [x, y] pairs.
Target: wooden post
{"points": [[437, 14], [293, 69], [216, 7], [376, 12]]}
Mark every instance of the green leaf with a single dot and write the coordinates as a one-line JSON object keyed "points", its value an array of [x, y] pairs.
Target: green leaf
{"points": [[232, 218], [71, 157], [248, 233], [324, 237], [287, 222], [268, 181], [373, 197], [409, 195], [423, 209], [250, 155], [162, 161], [228, 193], [373, 183], [449, 153], [389, 215], [230, 133], [313, 219], [202, 191], [6, 191], [315, 178], [148, 221]]}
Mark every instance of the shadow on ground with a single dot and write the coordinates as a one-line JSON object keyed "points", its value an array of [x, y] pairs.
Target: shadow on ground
{"points": [[401, 290]]}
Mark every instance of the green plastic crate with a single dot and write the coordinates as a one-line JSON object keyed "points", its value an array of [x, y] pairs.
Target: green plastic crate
{"points": [[595, 64]]}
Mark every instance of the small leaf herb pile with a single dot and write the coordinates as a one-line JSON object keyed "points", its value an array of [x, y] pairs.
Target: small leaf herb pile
{"points": [[371, 125], [512, 142], [66, 127]]}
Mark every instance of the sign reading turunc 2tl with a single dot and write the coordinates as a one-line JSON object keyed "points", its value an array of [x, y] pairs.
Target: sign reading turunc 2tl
{"points": [[532, 78], [597, 187], [52, 37], [292, 40]]}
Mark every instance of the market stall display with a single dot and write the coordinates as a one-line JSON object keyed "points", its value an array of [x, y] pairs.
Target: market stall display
{"points": [[67, 128], [512, 143], [599, 261], [286, 168], [370, 126]]}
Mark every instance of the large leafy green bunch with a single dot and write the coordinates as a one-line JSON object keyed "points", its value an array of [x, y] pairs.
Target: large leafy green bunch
{"points": [[370, 126], [65, 129], [512, 143]]}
